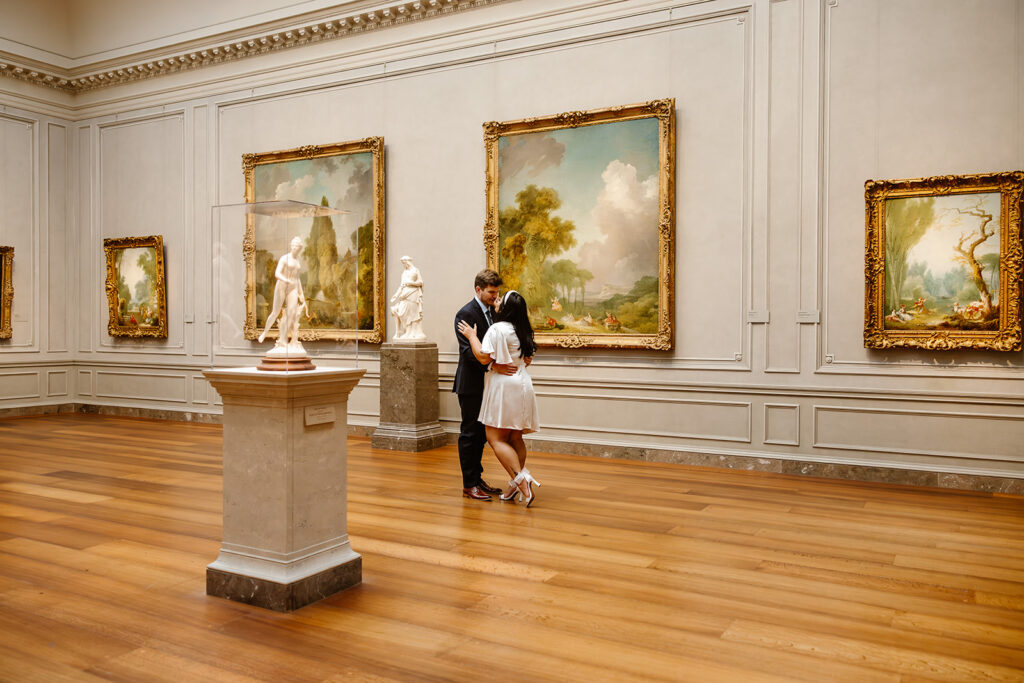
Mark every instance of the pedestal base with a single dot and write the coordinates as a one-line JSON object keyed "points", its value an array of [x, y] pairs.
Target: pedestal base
{"points": [[282, 597], [285, 446], [286, 364], [409, 438], [409, 405]]}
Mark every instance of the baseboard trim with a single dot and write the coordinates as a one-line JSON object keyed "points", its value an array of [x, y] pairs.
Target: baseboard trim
{"points": [[752, 463]]}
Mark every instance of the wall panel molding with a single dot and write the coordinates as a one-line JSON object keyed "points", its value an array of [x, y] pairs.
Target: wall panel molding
{"points": [[933, 433], [20, 385], [142, 386]]}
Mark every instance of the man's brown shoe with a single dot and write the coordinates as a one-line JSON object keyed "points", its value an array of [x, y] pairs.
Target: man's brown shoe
{"points": [[482, 485], [475, 493]]}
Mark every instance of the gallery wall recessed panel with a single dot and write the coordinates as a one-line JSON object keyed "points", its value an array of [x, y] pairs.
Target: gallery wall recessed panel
{"points": [[57, 383], [142, 192], [58, 275], [781, 244], [142, 386], [782, 424], [912, 91], [647, 419], [953, 433], [19, 385], [18, 226], [712, 186]]}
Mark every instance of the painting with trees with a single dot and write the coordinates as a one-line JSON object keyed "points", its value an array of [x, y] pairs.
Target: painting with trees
{"points": [[136, 287], [580, 220], [343, 254], [944, 262]]}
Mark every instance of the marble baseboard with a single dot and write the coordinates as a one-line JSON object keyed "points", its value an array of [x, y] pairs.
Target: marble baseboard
{"points": [[283, 597], [878, 475], [119, 411], [34, 411]]}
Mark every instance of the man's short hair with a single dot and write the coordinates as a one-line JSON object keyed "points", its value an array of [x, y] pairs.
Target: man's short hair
{"points": [[487, 278]]}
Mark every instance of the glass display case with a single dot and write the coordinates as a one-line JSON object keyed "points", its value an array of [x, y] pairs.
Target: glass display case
{"points": [[284, 287]]}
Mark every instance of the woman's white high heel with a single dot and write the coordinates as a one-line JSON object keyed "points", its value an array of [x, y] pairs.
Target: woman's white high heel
{"points": [[525, 476], [510, 495]]}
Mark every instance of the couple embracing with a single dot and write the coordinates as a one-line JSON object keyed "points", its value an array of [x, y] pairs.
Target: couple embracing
{"points": [[495, 391]]}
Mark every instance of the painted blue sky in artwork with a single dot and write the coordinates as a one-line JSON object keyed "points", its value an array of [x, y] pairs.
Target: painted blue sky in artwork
{"points": [[346, 180], [607, 178]]}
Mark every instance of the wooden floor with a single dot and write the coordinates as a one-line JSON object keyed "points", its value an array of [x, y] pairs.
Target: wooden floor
{"points": [[621, 571]]}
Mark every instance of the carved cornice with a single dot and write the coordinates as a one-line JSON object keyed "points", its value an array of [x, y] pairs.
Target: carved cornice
{"points": [[220, 52]]}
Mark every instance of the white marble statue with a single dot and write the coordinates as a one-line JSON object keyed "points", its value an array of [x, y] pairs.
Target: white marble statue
{"points": [[407, 304], [287, 295]]}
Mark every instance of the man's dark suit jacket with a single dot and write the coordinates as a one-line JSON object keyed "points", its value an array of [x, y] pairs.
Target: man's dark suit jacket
{"points": [[469, 377]]}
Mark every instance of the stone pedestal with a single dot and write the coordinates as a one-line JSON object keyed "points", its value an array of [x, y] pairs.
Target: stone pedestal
{"points": [[409, 405], [285, 535]]}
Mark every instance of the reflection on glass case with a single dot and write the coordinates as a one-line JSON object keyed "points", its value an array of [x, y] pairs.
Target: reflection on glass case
{"points": [[6, 290], [285, 287]]}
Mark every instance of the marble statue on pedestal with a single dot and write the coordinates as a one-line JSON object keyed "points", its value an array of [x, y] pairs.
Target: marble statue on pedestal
{"points": [[289, 301], [407, 304]]}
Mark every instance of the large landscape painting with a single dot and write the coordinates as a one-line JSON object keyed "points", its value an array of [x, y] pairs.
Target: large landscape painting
{"points": [[944, 262], [342, 257], [580, 221]]}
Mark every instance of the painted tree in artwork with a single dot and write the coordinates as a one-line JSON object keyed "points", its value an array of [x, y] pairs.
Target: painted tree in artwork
{"points": [[362, 242], [145, 292], [529, 234], [906, 221], [321, 255], [965, 248]]}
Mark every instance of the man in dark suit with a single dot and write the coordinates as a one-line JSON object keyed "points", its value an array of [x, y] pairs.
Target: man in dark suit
{"points": [[469, 385]]}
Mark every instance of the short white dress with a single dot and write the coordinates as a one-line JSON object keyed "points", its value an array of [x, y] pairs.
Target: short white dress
{"points": [[509, 400]]}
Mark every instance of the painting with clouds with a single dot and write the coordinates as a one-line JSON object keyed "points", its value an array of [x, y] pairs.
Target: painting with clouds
{"points": [[583, 212], [342, 253]]}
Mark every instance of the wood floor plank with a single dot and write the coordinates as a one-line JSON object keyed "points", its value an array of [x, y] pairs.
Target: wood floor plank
{"points": [[620, 571]]}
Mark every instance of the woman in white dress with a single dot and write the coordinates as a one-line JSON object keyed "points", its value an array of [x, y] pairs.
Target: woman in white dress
{"points": [[509, 407]]}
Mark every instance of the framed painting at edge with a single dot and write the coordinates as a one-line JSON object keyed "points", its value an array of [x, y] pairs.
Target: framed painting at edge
{"points": [[579, 326], [374, 147], [6, 290], [929, 245], [150, 319]]}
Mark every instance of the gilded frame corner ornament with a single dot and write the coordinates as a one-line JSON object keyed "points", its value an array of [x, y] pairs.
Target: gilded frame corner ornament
{"points": [[375, 147], [1006, 335], [664, 112], [115, 326], [6, 291]]}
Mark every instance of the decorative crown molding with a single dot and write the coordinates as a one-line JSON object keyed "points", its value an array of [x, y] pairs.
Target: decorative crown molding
{"points": [[235, 49]]}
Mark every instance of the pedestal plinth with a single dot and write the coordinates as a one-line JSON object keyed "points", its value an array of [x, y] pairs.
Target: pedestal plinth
{"points": [[285, 444], [409, 406]]}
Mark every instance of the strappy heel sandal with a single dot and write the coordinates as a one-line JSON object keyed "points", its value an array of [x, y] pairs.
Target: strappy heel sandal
{"points": [[525, 476], [509, 496]]}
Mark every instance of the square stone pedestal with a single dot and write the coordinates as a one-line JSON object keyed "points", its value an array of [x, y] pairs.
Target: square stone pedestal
{"points": [[409, 406], [285, 443]]}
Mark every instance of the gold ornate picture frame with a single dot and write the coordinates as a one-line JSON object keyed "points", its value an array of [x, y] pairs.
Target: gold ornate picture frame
{"points": [[6, 290], [136, 286], [347, 176], [581, 220], [943, 262]]}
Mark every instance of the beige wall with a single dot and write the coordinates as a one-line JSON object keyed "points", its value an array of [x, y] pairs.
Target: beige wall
{"points": [[784, 109]]}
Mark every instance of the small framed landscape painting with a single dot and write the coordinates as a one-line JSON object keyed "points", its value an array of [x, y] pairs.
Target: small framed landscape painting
{"points": [[581, 221], [6, 290], [943, 262], [343, 254], [136, 288]]}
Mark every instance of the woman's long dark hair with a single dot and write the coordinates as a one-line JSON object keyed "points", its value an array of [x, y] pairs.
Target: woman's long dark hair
{"points": [[513, 310]]}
